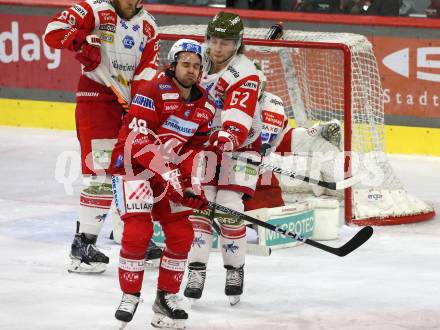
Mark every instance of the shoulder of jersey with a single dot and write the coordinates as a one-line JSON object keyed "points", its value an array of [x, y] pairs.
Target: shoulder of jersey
{"points": [[100, 4], [241, 67], [273, 102], [147, 15]]}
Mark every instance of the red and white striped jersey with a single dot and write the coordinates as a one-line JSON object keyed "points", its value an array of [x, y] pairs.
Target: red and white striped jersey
{"points": [[129, 49], [274, 119], [235, 93]]}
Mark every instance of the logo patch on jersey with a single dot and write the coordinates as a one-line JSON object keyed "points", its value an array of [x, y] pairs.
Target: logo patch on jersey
{"points": [[180, 126], [123, 67], [165, 87], [124, 24], [270, 128], [276, 102], [108, 27], [148, 30], [79, 10], [143, 102], [107, 17], [138, 196], [201, 115], [128, 42], [250, 85], [187, 113], [135, 27], [272, 118], [221, 86], [170, 96], [171, 106], [234, 72], [106, 37]]}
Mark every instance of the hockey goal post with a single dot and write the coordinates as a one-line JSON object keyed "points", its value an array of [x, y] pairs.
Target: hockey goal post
{"points": [[325, 76]]}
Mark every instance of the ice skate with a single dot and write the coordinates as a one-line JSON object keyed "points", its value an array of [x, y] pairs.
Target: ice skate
{"points": [[234, 284], [85, 256], [154, 253], [127, 308], [196, 281], [168, 314]]}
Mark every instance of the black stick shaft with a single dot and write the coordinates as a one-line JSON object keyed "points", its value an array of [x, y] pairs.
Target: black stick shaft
{"points": [[356, 241]]}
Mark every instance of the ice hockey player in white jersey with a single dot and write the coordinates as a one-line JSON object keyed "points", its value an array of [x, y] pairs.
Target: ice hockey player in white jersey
{"points": [[232, 81], [278, 137]]}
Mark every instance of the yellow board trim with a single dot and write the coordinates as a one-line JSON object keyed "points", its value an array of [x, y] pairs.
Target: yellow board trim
{"points": [[61, 115], [44, 114]]}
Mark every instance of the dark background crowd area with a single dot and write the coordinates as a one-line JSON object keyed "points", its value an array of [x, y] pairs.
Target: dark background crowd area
{"points": [[412, 8]]}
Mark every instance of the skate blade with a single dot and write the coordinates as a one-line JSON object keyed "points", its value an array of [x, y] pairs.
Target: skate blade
{"points": [[122, 325], [76, 266], [164, 322], [191, 302], [234, 300]]}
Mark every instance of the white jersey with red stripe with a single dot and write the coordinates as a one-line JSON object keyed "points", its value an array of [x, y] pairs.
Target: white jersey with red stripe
{"points": [[129, 48], [235, 93], [274, 119]]}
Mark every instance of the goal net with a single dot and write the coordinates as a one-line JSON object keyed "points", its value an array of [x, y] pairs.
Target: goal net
{"points": [[325, 76]]}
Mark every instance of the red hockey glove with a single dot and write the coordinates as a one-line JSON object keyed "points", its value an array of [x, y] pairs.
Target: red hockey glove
{"points": [[180, 191], [90, 53], [223, 141]]}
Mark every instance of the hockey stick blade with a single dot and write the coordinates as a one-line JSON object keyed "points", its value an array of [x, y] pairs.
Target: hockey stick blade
{"points": [[339, 185], [356, 241]]}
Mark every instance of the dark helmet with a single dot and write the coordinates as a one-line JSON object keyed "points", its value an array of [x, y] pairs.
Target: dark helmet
{"points": [[226, 26]]}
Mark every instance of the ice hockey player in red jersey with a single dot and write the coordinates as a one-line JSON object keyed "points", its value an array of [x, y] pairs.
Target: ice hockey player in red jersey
{"points": [[232, 81], [115, 41], [161, 138]]}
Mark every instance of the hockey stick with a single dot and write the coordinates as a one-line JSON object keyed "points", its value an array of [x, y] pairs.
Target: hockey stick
{"points": [[253, 249], [339, 185], [121, 100], [356, 241]]}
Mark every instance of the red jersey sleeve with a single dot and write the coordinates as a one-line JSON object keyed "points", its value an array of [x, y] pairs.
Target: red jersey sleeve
{"points": [[64, 28], [239, 108], [148, 64]]}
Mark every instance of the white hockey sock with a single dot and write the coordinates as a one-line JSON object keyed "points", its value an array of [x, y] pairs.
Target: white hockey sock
{"points": [[201, 245], [95, 202], [233, 230]]}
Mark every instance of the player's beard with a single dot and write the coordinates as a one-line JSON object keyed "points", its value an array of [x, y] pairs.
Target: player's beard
{"points": [[187, 81], [127, 13]]}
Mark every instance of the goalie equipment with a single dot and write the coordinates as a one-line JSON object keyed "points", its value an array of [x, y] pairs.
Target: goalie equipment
{"points": [[331, 131], [196, 280], [85, 256], [168, 314], [234, 283], [127, 307]]}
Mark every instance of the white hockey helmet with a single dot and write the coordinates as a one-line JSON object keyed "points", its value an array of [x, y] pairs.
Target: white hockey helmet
{"points": [[184, 45]]}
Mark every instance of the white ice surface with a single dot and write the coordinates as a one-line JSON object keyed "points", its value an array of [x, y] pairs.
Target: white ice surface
{"points": [[391, 283]]}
